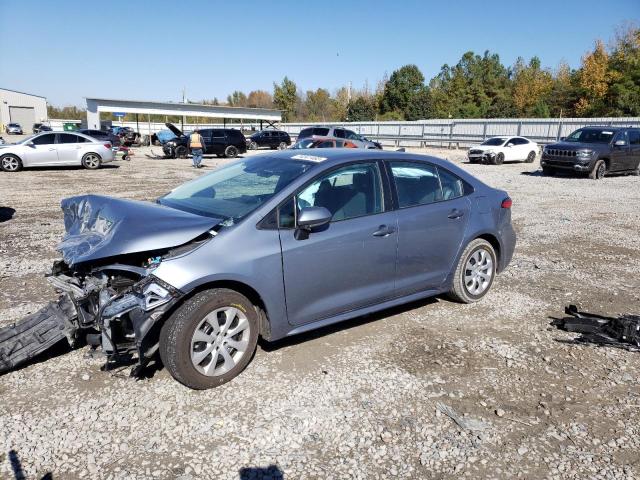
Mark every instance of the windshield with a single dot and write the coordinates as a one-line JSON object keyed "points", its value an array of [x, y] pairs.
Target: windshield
{"points": [[495, 142], [303, 143], [591, 135], [234, 191]]}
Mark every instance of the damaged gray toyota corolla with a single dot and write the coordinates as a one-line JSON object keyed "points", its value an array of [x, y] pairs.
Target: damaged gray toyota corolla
{"points": [[269, 246]]}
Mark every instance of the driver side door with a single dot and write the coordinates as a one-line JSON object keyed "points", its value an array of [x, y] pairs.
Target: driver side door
{"points": [[349, 263], [41, 151]]}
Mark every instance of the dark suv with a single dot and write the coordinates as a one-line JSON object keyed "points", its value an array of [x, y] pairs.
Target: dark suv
{"points": [[223, 142], [596, 151], [269, 138]]}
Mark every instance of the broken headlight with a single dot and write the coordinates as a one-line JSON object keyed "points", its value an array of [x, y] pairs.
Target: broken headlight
{"points": [[146, 295]]}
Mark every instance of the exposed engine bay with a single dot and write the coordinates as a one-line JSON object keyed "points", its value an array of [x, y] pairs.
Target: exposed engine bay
{"points": [[108, 295]]}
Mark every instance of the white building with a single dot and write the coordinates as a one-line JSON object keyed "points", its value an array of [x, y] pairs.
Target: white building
{"points": [[22, 108]]}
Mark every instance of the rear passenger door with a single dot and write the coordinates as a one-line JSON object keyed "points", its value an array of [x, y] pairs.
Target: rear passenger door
{"points": [[432, 216], [206, 138], [634, 149], [620, 153], [68, 146], [218, 142]]}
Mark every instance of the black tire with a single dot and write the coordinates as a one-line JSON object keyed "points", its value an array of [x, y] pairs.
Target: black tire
{"points": [[598, 171], [91, 161], [498, 159], [548, 172], [531, 157], [177, 334], [10, 163], [181, 152], [459, 290], [231, 152]]}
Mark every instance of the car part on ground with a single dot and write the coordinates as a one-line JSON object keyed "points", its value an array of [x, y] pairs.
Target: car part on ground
{"points": [[595, 152], [192, 275], [620, 332]]}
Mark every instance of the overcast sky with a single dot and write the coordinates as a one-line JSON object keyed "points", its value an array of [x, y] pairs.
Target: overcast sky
{"points": [[66, 50]]}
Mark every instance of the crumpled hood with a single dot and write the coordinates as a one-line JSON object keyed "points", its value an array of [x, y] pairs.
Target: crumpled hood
{"points": [[99, 227]]}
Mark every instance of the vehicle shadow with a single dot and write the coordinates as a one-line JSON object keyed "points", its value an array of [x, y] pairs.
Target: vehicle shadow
{"points": [[107, 166], [6, 213], [17, 470], [344, 325], [272, 472]]}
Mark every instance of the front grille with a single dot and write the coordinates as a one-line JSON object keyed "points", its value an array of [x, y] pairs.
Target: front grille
{"points": [[475, 152], [561, 153]]}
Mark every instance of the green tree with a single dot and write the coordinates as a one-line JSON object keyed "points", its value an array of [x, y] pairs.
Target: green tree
{"points": [[623, 95], [362, 109], [319, 106], [285, 98], [237, 99], [402, 89]]}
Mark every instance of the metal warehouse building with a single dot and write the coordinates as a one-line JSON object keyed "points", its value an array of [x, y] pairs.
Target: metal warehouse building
{"points": [[22, 108]]}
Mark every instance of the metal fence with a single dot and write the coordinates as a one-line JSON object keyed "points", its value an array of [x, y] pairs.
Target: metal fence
{"points": [[444, 133]]}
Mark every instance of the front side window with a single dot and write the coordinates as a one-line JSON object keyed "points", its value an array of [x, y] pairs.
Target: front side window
{"points": [[234, 191], [416, 184], [48, 139], [349, 192], [325, 144], [634, 137]]}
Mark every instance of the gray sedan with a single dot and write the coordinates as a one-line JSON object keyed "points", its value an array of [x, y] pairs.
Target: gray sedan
{"points": [[272, 246]]}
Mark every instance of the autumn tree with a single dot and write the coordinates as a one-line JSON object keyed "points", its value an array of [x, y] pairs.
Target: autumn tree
{"points": [[237, 99], [259, 99], [594, 78]]}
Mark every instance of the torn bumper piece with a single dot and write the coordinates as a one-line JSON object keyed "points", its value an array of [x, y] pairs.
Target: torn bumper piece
{"points": [[37, 332]]}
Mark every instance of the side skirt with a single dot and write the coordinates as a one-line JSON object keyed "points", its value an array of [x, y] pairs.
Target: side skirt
{"points": [[363, 311]]}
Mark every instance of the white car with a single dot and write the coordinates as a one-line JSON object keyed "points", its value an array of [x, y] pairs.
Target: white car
{"points": [[496, 150], [55, 149]]}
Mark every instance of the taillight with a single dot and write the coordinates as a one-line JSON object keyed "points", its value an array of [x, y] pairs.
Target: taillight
{"points": [[107, 145], [506, 203]]}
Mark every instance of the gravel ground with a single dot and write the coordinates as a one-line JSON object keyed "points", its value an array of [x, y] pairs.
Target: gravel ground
{"points": [[364, 399]]}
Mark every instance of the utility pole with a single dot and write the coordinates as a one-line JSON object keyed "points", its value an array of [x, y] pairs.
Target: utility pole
{"points": [[184, 97], [349, 92]]}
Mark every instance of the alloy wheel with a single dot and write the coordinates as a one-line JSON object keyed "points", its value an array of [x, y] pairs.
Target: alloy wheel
{"points": [[478, 272], [219, 341], [92, 161], [10, 164]]}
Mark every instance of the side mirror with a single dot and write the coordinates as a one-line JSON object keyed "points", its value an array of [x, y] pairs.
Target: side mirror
{"points": [[509, 145], [620, 143], [562, 139], [313, 217]]}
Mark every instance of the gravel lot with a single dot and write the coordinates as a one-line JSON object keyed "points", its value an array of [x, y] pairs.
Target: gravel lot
{"points": [[362, 399]]}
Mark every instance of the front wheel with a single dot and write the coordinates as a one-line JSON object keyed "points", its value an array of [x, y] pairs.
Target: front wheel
{"points": [[10, 163], [599, 170], [531, 157], [91, 161], [282, 146], [210, 339], [181, 152], [475, 272], [498, 159]]}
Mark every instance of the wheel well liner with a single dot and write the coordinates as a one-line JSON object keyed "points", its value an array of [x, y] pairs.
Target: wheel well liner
{"points": [[494, 243]]}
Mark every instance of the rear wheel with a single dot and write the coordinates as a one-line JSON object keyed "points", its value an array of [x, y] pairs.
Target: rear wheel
{"points": [[91, 161], [231, 152], [531, 157], [475, 272], [599, 170], [210, 339], [10, 163]]}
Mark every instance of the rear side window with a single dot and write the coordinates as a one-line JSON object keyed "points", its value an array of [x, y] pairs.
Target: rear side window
{"points": [[234, 135], [452, 185], [48, 139], [352, 135], [634, 137], [67, 138], [217, 133], [416, 184], [340, 133]]}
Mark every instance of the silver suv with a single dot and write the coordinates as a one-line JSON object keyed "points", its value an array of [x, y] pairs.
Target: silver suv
{"points": [[338, 132]]}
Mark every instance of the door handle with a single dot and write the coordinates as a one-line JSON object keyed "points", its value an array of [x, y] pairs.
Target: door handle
{"points": [[383, 231], [455, 213], [51, 149]]}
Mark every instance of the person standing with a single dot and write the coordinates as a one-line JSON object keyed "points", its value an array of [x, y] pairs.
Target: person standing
{"points": [[196, 144]]}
